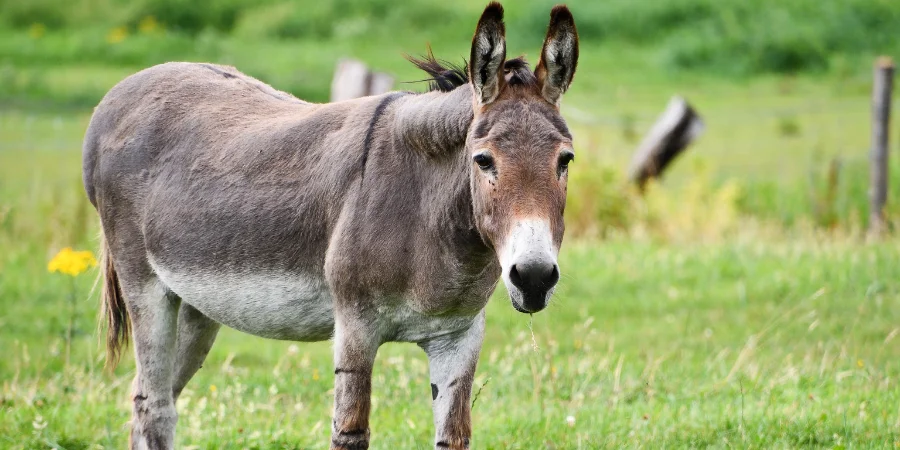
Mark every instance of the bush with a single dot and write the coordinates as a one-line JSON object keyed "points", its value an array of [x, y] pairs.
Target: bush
{"points": [[21, 14], [728, 36], [738, 36], [343, 18], [602, 203], [194, 16]]}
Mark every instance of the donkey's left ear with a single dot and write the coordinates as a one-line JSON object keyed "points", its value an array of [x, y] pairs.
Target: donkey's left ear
{"points": [[559, 56]]}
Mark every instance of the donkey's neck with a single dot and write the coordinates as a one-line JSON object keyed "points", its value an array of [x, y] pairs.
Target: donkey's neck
{"points": [[435, 122], [435, 125], [460, 264]]}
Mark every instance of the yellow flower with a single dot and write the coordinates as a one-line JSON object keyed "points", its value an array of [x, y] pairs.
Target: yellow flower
{"points": [[36, 30], [212, 388], [315, 375], [148, 25], [70, 262], [860, 363], [116, 35]]}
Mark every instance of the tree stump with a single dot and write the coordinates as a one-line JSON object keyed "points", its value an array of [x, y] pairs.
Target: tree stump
{"points": [[353, 79], [675, 129]]}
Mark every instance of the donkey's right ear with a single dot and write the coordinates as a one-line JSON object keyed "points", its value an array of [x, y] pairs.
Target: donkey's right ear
{"points": [[488, 55]]}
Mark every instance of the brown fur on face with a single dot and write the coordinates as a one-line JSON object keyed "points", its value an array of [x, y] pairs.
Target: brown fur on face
{"points": [[524, 136], [517, 125]]}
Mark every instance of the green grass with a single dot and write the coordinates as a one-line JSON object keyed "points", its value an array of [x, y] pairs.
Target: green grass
{"points": [[740, 345], [697, 326], [737, 305]]}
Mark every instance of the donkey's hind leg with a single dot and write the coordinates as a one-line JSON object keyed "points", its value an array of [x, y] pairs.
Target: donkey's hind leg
{"points": [[154, 314], [196, 335]]}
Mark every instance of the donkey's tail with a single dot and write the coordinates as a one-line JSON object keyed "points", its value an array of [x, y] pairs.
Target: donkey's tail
{"points": [[112, 308]]}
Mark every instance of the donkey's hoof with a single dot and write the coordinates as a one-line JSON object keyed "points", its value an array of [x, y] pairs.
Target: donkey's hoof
{"points": [[350, 440], [452, 444]]}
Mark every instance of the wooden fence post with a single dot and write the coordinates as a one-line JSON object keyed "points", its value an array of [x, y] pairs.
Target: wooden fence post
{"points": [[675, 129], [352, 79], [881, 118]]}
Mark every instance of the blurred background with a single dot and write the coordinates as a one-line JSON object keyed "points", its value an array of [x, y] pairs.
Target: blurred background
{"points": [[783, 85], [735, 302]]}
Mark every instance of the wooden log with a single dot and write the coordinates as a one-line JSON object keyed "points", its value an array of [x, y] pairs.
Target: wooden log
{"points": [[881, 118], [379, 83], [352, 79], [675, 129]]}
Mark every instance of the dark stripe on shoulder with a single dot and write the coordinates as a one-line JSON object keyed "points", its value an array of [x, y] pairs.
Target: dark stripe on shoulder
{"points": [[370, 132]]}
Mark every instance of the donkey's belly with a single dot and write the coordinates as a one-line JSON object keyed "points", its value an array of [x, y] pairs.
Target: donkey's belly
{"points": [[273, 305]]}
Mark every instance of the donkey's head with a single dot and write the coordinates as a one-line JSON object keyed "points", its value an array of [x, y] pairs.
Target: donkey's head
{"points": [[520, 150]]}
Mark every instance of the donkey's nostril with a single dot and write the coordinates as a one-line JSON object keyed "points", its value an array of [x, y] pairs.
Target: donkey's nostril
{"points": [[534, 276], [515, 277], [554, 276]]}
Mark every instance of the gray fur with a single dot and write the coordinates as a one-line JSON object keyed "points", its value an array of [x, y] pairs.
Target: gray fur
{"points": [[224, 201]]}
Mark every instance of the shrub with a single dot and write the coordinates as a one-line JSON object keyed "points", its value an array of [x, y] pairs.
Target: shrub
{"points": [[737, 36], [727, 36]]}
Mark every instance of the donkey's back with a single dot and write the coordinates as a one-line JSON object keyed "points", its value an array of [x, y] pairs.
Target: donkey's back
{"points": [[184, 110], [217, 188]]}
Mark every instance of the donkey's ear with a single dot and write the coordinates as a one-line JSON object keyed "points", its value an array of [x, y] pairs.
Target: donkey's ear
{"points": [[559, 56], [488, 54]]}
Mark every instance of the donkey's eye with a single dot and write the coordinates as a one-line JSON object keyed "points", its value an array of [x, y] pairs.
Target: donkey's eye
{"points": [[484, 161], [564, 159]]}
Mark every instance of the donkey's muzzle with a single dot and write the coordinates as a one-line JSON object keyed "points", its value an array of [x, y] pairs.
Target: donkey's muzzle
{"points": [[535, 281]]}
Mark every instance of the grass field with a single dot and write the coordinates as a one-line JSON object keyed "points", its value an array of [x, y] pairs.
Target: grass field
{"points": [[737, 305], [777, 345], [694, 324]]}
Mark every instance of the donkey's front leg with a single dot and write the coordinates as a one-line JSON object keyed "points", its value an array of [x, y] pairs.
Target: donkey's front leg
{"points": [[452, 361], [355, 345]]}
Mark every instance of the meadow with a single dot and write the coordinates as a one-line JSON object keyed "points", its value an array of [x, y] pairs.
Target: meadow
{"points": [[738, 304]]}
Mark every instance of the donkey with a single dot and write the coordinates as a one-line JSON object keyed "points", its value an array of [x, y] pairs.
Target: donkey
{"points": [[380, 219]]}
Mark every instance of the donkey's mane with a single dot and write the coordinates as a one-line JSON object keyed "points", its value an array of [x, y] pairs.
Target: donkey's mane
{"points": [[447, 76]]}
